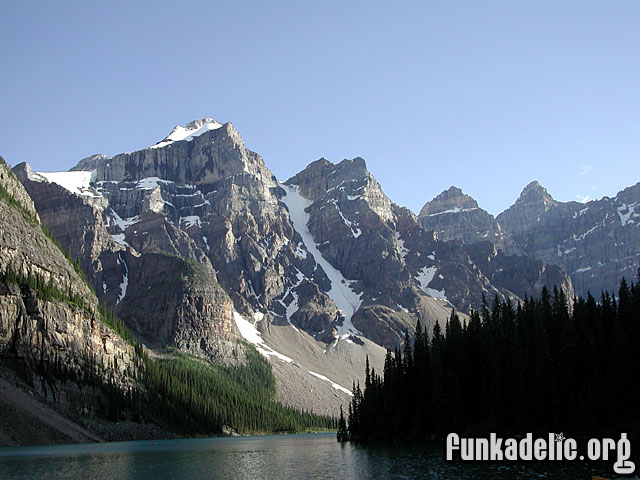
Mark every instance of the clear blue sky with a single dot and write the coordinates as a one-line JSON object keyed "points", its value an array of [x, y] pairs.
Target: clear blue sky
{"points": [[483, 95]]}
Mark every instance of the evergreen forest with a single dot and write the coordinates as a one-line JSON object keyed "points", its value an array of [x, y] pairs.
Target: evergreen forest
{"points": [[545, 365]]}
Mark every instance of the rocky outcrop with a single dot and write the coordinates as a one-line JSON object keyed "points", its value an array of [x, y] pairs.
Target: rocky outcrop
{"points": [[76, 221], [176, 302], [57, 342], [596, 242], [456, 216], [11, 184], [520, 275], [149, 283]]}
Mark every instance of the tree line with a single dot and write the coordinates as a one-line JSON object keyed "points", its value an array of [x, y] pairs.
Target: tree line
{"points": [[180, 392], [543, 365]]}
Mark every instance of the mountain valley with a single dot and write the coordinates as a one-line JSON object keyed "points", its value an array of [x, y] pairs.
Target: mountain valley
{"points": [[196, 246]]}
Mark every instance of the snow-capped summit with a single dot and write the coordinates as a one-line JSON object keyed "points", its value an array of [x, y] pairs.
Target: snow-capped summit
{"points": [[190, 130]]}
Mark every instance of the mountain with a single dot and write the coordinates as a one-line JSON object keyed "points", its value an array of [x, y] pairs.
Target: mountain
{"points": [[456, 217], [195, 244], [200, 253], [71, 371], [596, 243], [52, 332]]}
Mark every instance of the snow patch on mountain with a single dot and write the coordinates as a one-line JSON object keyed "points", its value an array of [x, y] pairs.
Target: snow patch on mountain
{"points": [[333, 384], [190, 221], [149, 183], [401, 248], [251, 334], [189, 131], [630, 212], [77, 182], [347, 301], [424, 277], [125, 280], [355, 231], [119, 238], [293, 305], [453, 210]]}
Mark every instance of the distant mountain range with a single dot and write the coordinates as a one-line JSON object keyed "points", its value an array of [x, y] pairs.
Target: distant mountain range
{"points": [[196, 244]]}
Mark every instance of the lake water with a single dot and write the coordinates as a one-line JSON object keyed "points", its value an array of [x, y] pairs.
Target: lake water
{"points": [[279, 457]]}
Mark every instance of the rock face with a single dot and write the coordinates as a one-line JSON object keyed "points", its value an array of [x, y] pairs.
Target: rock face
{"points": [[11, 184], [199, 238], [55, 344], [164, 297], [390, 271], [77, 222], [519, 274], [326, 251], [456, 216], [596, 243]]}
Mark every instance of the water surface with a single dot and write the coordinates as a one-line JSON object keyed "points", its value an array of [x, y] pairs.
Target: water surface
{"points": [[279, 457]]}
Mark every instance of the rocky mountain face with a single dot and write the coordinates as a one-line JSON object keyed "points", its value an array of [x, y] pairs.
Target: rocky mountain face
{"points": [[162, 296], [326, 252], [539, 241], [385, 271], [199, 248], [596, 243], [196, 244], [454, 215], [50, 328]]}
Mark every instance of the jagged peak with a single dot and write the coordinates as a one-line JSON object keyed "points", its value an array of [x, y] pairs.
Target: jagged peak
{"points": [[535, 191], [357, 162], [187, 132], [355, 167], [451, 200], [11, 182], [91, 162]]}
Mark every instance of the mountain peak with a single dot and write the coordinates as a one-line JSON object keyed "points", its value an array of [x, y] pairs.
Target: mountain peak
{"points": [[535, 192], [187, 132], [451, 200]]}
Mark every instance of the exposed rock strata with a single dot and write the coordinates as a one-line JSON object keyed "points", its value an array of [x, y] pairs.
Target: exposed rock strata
{"points": [[596, 242], [55, 344]]}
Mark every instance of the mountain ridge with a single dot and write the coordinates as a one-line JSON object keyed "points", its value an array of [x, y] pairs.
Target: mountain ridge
{"points": [[324, 259]]}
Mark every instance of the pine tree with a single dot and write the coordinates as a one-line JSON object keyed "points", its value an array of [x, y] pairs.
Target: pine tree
{"points": [[342, 434]]}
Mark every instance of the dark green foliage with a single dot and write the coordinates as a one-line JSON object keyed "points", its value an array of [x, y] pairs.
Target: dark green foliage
{"points": [[539, 367], [44, 290], [342, 434], [182, 393], [199, 397]]}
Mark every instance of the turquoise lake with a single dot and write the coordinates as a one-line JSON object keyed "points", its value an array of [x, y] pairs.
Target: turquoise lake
{"points": [[310, 456]]}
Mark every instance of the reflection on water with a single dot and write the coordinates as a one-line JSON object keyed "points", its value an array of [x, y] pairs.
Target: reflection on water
{"points": [[266, 457]]}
